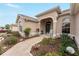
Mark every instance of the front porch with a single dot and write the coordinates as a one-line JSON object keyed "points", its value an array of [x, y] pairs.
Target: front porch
{"points": [[48, 27]]}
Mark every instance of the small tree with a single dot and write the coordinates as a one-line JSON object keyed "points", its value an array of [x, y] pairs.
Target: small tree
{"points": [[2, 27], [7, 26], [27, 31]]}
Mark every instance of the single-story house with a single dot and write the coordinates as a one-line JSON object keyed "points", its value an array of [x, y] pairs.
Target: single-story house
{"points": [[52, 21]]}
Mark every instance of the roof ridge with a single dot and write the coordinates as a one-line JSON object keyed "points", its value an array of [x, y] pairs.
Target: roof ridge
{"points": [[29, 18], [51, 9], [65, 10], [26, 16]]}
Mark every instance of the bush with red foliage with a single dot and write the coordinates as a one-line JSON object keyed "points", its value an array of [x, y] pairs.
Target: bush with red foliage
{"points": [[2, 31]]}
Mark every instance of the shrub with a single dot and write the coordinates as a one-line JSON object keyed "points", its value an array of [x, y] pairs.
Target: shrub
{"points": [[2, 31], [16, 34], [27, 31], [8, 31], [10, 40], [52, 54], [7, 26], [76, 53], [66, 41], [1, 50]]}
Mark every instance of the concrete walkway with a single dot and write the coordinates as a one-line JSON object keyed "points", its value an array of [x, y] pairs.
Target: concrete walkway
{"points": [[23, 48]]}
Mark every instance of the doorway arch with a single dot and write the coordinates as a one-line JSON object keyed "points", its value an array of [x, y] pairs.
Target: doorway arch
{"points": [[46, 25]]}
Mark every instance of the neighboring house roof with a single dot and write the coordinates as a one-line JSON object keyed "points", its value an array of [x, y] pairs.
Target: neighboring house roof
{"points": [[27, 18], [50, 10], [13, 25]]}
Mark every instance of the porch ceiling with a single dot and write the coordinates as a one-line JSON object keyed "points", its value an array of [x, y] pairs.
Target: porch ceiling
{"points": [[46, 19]]}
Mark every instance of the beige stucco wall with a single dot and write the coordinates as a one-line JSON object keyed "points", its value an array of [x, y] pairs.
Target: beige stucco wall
{"points": [[77, 28], [52, 15], [31, 25], [72, 28], [75, 20], [59, 26], [13, 28]]}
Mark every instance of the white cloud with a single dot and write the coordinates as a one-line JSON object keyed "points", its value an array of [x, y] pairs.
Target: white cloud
{"points": [[13, 5]]}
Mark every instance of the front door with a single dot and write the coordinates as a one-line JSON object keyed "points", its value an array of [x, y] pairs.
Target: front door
{"points": [[48, 26]]}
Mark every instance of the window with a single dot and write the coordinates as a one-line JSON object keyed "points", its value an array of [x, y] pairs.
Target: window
{"points": [[66, 26]]}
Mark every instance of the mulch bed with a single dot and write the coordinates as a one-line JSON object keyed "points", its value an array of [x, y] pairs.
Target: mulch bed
{"points": [[38, 48]]}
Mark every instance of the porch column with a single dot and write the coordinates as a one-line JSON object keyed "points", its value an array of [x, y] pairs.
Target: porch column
{"points": [[54, 27], [75, 12], [77, 29], [39, 26]]}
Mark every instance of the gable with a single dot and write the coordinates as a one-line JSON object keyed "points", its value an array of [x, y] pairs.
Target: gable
{"points": [[24, 18], [52, 13]]}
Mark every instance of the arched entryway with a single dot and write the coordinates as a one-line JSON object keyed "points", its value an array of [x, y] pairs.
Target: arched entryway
{"points": [[46, 25]]}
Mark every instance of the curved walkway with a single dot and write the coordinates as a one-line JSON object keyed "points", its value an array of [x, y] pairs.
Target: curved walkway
{"points": [[23, 48]]}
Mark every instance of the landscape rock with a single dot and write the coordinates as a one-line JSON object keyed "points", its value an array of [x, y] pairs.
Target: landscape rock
{"points": [[70, 50]]}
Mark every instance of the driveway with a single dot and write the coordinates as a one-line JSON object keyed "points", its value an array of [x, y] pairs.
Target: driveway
{"points": [[23, 48]]}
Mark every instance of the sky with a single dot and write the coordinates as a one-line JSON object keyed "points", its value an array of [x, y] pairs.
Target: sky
{"points": [[8, 11]]}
